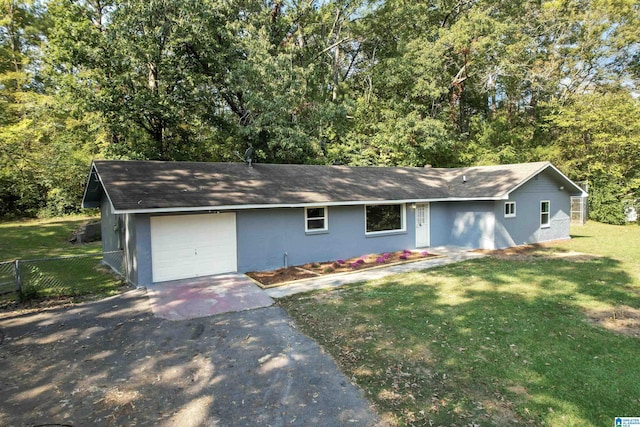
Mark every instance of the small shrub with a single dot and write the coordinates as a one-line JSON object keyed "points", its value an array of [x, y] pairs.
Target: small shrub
{"points": [[328, 270], [354, 265], [340, 261], [28, 293], [406, 252], [360, 261], [315, 265], [403, 257], [381, 260], [425, 253], [336, 265]]}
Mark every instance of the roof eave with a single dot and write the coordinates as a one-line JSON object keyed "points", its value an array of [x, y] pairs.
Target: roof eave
{"points": [[85, 204], [214, 208]]}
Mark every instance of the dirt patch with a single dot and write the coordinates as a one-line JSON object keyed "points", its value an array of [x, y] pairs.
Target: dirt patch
{"points": [[536, 251], [623, 320], [317, 269]]}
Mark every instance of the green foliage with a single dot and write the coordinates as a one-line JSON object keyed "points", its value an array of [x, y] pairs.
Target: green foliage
{"points": [[351, 82], [605, 202], [598, 137], [28, 293]]}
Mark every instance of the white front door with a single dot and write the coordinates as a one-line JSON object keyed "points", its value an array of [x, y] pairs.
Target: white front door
{"points": [[422, 225]]}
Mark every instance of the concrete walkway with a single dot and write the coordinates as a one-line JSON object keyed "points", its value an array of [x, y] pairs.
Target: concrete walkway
{"points": [[211, 295], [451, 255]]}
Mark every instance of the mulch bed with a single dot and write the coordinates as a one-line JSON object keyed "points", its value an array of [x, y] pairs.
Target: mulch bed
{"points": [[534, 251], [317, 269]]}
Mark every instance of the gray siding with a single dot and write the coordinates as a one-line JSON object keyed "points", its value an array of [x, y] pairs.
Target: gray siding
{"points": [[141, 265], [130, 248], [112, 233], [466, 224], [109, 227], [265, 235], [525, 227]]}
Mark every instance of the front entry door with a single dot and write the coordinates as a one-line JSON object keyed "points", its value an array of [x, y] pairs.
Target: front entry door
{"points": [[422, 225]]}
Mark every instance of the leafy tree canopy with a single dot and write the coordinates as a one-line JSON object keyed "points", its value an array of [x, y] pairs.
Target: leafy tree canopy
{"points": [[444, 82]]}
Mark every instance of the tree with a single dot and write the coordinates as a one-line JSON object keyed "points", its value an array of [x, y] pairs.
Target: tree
{"points": [[21, 104], [445, 82], [598, 137]]}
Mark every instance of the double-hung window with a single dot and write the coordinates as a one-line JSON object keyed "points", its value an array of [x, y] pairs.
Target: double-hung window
{"points": [[316, 219], [384, 218], [545, 216], [509, 209]]}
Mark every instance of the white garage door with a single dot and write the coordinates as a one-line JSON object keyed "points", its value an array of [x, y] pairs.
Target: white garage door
{"points": [[184, 246]]}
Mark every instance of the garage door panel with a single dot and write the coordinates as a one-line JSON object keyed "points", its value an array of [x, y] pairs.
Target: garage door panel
{"points": [[186, 246]]}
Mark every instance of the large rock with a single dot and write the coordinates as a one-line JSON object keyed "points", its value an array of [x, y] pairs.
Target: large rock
{"points": [[89, 232]]}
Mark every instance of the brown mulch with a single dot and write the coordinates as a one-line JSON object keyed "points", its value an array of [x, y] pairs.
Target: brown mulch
{"points": [[318, 269], [538, 250], [516, 252]]}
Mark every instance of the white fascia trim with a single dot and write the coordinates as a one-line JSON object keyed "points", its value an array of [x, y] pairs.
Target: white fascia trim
{"points": [[106, 193], [299, 205], [574, 185], [86, 187]]}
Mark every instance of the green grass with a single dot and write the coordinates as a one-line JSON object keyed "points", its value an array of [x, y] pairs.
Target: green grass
{"points": [[621, 243], [37, 239], [491, 341]]}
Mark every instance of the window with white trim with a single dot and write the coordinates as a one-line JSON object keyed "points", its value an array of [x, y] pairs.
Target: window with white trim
{"points": [[545, 215], [384, 218], [509, 209], [316, 219]]}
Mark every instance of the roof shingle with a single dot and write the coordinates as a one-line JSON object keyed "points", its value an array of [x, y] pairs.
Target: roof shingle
{"points": [[157, 186]]}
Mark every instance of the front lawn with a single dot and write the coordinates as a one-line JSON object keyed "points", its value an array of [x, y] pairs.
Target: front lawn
{"points": [[533, 340]]}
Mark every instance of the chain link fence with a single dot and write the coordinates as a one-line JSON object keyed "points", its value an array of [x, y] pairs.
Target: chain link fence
{"points": [[579, 206], [7, 278], [61, 276]]}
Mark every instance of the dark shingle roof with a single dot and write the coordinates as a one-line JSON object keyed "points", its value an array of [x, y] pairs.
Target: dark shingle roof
{"points": [[170, 186]]}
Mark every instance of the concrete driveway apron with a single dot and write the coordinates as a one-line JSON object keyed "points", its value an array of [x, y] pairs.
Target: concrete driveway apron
{"points": [[205, 296]]}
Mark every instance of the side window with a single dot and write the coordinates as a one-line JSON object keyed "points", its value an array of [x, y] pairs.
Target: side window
{"points": [[509, 209], [545, 220], [316, 219]]}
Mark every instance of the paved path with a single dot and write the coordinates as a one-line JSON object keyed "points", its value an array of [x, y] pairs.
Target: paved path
{"points": [[451, 255]]}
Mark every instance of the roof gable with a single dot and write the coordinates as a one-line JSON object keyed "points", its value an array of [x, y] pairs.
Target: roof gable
{"points": [[154, 186]]}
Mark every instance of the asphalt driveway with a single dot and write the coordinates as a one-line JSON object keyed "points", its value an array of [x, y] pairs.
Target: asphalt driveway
{"points": [[112, 362]]}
